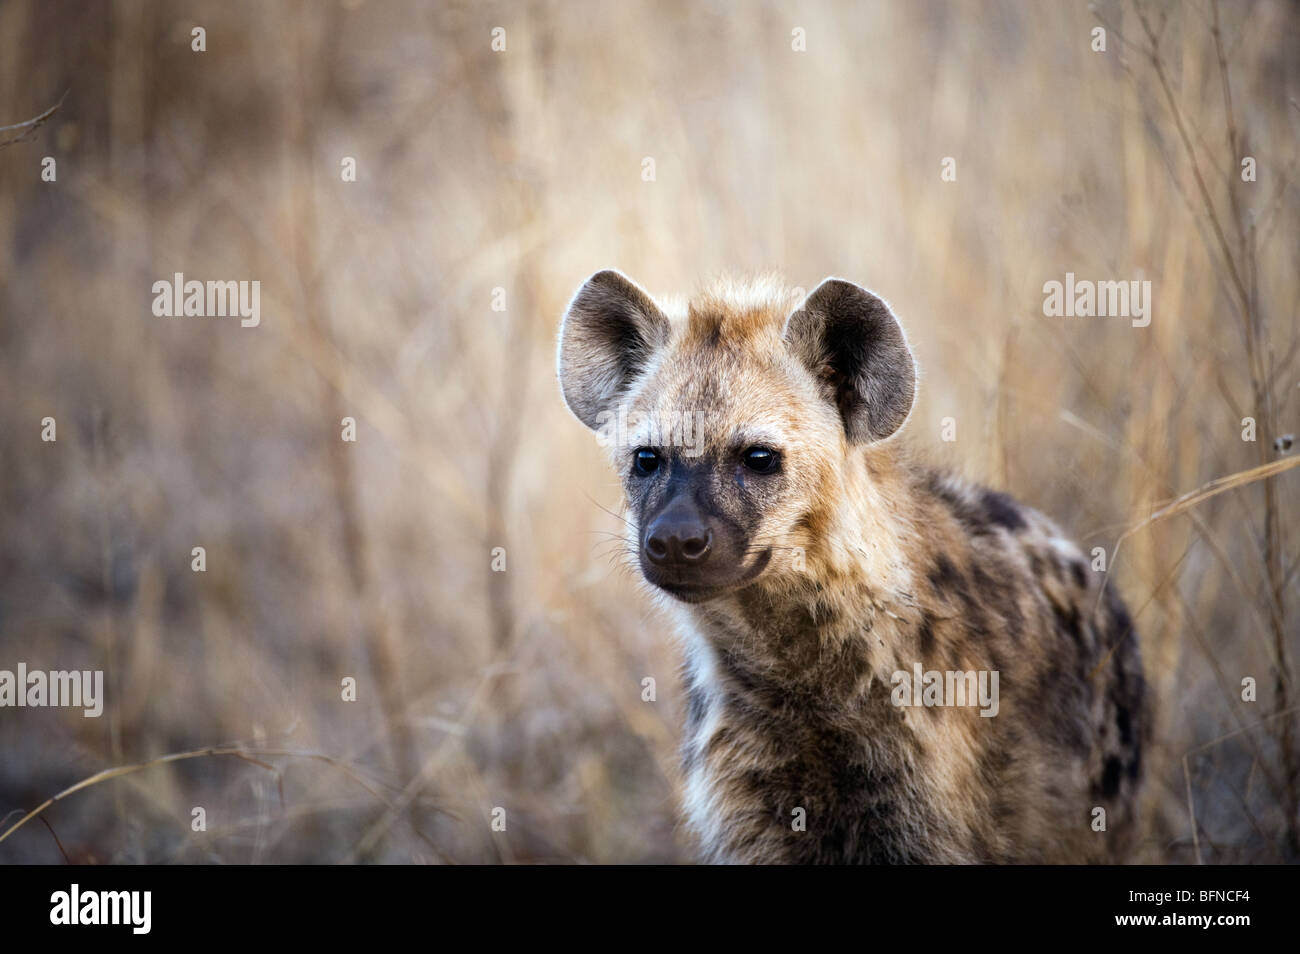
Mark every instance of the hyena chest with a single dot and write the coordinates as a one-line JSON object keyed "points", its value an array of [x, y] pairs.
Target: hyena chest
{"points": [[786, 782]]}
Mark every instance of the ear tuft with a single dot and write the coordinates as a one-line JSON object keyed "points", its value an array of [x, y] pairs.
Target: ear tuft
{"points": [[610, 332], [851, 342]]}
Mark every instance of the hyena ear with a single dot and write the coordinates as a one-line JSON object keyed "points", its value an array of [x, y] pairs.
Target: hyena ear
{"points": [[610, 332], [852, 343]]}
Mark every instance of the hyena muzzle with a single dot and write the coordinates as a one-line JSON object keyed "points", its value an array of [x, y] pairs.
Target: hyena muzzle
{"points": [[883, 663]]}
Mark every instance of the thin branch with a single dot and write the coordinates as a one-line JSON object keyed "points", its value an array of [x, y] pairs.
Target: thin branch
{"points": [[246, 753], [1187, 775], [29, 127], [1193, 497], [1157, 64]]}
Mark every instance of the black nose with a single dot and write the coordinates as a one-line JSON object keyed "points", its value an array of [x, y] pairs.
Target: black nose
{"points": [[676, 538]]}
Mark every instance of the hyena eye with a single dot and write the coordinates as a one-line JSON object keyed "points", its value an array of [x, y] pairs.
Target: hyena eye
{"points": [[761, 460], [646, 461]]}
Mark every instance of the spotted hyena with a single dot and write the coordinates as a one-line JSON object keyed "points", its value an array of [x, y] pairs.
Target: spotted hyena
{"points": [[820, 577]]}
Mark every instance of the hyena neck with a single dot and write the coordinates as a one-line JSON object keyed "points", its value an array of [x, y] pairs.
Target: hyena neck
{"points": [[819, 632], [788, 701]]}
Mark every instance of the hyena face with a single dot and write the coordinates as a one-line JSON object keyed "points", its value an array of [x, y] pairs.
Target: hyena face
{"points": [[729, 419]]}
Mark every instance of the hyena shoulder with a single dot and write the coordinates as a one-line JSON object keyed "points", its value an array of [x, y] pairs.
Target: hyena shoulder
{"points": [[1030, 603]]}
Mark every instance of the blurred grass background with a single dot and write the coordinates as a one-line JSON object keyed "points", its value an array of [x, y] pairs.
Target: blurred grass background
{"points": [[522, 170]]}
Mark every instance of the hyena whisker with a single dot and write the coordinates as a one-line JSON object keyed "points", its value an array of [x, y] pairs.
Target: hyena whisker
{"points": [[614, 549], [617, 516], [608, 535]]}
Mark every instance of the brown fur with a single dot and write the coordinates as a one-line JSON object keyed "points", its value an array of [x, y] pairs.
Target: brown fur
{"points": [[849, 565]]}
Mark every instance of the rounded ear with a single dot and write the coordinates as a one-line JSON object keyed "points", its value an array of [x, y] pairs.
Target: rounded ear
{"points": [[610, 332], [854, 346]]}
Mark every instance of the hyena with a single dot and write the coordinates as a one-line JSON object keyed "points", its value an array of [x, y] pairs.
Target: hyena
{"points": [[809, 560]]}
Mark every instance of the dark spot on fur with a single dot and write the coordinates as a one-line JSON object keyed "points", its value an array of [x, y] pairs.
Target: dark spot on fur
{"points": [[984, 583], [1125, 726], [1110, 778], [712, 336], [1070, 623], [1000, 594], [1121, 623], [1080, 574], [970, 515], [926, 634], [1002, 510], [945, 575]]}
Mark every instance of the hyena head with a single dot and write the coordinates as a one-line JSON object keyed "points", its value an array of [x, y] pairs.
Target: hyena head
{"points": [[730, 418]]}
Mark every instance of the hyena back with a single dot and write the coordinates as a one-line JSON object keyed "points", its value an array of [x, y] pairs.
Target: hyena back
{"points": [[810, 561]]}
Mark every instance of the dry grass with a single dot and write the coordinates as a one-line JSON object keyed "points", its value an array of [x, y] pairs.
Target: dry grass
{"points": [[522, 170]]}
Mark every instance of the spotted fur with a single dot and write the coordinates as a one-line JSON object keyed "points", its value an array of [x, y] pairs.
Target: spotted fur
{"points": [[852, 563]]}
